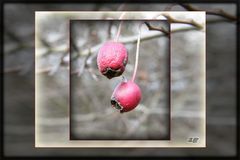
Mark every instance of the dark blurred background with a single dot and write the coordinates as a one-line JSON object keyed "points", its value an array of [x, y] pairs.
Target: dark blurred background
{"points": [[19, 83]]}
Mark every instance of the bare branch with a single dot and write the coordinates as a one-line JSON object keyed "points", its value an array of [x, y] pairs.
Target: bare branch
{"points": [[217, 12], [12, 35], [150, 27], [94, 49], [190, 22], [80, 71], [13, 69]]}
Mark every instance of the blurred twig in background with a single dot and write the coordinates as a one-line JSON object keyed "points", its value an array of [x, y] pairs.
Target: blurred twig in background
{"points": [[64, 49], [217, 12], [174, 20], [161, 29]]}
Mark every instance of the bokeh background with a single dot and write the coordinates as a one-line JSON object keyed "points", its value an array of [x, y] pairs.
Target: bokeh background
{"points": [[19, 83], [92, 116]]}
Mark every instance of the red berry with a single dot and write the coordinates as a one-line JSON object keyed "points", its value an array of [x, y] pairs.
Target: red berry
{"points": [[112, 59], [126, 96]]}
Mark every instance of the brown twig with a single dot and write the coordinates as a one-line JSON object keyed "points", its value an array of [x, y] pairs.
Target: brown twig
{"points": [[126, 40], [217, 12], [190, 21], [13, 69], [18, 47], [150, 27], [12, 35], [44, 70]]}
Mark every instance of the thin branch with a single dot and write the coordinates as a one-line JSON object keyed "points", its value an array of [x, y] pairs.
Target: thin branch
{"points": [[44, 70], [94, 76], [44, 42], [137, 53], [217, 12], [121, 7], [133, 39], [18, 47], [12, 35], [80, 71], [190, 22], [94, 49], [74, 45], [119, 27], [13, 69], [150, 27]]}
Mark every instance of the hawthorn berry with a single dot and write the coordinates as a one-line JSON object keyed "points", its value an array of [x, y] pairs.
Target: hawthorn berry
{"points": [[112, 58], [126, 96]]}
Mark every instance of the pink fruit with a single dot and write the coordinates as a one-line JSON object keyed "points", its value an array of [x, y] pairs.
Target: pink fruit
{"points": [[112, 59], [126, 96]]}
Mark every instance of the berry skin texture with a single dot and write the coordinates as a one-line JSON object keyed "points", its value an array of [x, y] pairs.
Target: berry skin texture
{"points": [[126, 96], [112, 58]]}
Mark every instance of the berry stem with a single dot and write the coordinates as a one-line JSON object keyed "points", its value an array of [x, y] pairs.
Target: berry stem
{"points": [[119, 27], [137, 53]]}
